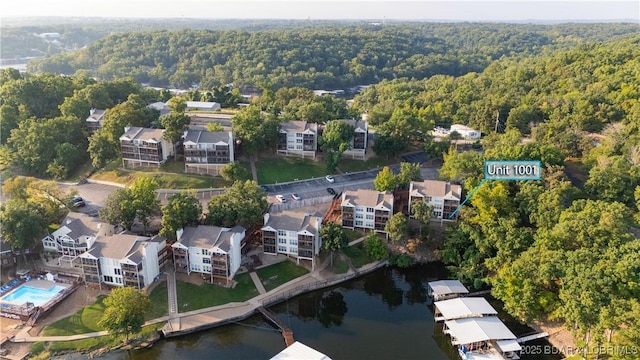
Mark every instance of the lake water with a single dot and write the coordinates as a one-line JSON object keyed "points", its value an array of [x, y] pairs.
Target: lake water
{"points": [[383, 315]]}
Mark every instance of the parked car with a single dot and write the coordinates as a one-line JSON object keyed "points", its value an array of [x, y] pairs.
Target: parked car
{"points": [[79, 204], [295, 196], [281, 198], [264, 187], [331, 191], [330, 178]]}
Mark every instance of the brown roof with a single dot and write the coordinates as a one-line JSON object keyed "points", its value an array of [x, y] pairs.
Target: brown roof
{"points": [[368, 198], [142, 134], [436, 188]]}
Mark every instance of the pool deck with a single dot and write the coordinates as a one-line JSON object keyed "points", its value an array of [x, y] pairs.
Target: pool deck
{"points": [[42, 284]]}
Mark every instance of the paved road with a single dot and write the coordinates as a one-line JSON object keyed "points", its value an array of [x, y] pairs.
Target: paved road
{"points": [[95, 195]]}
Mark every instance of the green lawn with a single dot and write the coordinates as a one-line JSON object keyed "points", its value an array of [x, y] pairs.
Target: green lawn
{"points": [[350, 165], [339, 265], [159, 302], [352, 234], [169, 176], [358, 255], [280, 273], [92, 343], [84, 321], [193, 297], [277, 170]]}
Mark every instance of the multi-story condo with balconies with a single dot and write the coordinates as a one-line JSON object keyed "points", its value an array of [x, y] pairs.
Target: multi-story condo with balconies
{"points": [[207, 152], [75, 236], [444, 197], [298, 138], [359, 141], [366, 209], [212, 251], [94, 121], [144, 147], [292, 233], [124, 259]]}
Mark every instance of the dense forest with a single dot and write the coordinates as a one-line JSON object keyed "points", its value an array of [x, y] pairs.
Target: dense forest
{"points": [[324, 56]]}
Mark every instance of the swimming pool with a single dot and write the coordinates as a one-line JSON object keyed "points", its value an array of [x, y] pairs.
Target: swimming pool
{"points": [[37, 296]]}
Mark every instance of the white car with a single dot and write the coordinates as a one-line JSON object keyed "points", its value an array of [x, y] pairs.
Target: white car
{"points": [[281, 198], [330, 178], [295, 196]]}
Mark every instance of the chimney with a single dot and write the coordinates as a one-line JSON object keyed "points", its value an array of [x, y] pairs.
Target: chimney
{"points": [[93, 110]]}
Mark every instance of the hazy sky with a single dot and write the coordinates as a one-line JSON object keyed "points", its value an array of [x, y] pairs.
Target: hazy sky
{"points": [[471, 10]]}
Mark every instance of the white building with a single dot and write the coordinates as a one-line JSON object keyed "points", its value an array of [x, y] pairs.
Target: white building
{"points": [[124, 259], [444, 197], [366, 209], [293, 233], [359, 141], [144, 147], [299, 138], [161, 107], [202, 106], [210, 250], [465, 131], [75, 236], [207, 152]]}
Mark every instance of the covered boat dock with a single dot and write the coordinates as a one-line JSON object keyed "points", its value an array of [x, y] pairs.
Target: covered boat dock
{"points": [[461, 308]]}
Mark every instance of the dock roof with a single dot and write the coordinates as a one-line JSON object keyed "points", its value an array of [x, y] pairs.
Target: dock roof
{"points": [[464, 308], [472, 330], [444, 287], [298, 350]]}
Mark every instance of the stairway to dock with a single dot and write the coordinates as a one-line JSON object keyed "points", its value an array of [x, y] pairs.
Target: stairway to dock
{"points": [[287, 333]]}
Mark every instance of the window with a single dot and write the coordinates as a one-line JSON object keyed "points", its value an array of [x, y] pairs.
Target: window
{"points": [[206, 260], [108, 279], [205, 252], [428, 198], [282, 241], [369, 217], [117, 271], [298, 135], [299, 141], [282, 233], [119, 280], [370, 209], [359, 216], [368, 224], [358, 222], [293, 242], [282, 249]]}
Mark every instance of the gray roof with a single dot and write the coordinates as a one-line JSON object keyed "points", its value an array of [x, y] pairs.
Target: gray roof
{"points": [[444, 287], [368, 198], [204, 236], [80, 225], [139, 133], [436, 188], [291, 220], [298, 126], [206, 137], [96, 116], [115, 247], [357, 124]]}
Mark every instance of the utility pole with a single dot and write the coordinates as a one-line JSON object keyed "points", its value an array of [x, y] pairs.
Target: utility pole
{"points": [[497, 120]]}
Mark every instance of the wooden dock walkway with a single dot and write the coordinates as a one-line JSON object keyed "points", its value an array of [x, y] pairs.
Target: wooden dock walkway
{"points": [[524, 339], [287, 333]]}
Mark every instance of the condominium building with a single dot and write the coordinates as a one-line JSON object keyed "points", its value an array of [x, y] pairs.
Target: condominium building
{"points": [[94, 121], [298, 138], [444, 197], [366, 209], [144, 147], [212, 251], [76, 235], [124, 259], [293, 233], [207, 152]]}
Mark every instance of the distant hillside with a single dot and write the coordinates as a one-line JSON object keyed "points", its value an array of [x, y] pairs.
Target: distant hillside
{"points": [[322, 56]]}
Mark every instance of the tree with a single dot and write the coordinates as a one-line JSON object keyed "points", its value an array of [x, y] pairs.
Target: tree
{"points": [[333, 238], [214, 127], [234, 171], [376, 247], [124, 312], [336, 138], [388, 146], [22, 223], [101, 149], [144, 199], [248, 128], [175, 124], [385, 180], [244, 204], [118, 209], [408, 173], [183, 209], [422, 212], [396, 227]]}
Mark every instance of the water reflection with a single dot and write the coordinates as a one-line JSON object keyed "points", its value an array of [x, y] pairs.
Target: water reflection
{"points": [[382, 315]]}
